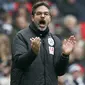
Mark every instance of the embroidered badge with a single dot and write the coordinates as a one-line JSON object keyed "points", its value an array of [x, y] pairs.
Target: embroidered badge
{"points": [[50, 41]]}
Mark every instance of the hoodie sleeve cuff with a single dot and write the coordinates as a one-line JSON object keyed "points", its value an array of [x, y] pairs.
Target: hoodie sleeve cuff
{"points": [[65, 56]]}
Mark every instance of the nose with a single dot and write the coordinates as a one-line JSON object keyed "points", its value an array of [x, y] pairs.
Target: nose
{"points": [[42, 15]]}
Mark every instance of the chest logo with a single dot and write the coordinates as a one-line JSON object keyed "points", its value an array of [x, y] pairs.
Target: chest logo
{"points": [[50, 41]]}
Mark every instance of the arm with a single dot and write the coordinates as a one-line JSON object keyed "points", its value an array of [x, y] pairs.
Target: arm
{"points": [[22, 56], [64, 51], [61, 61]]}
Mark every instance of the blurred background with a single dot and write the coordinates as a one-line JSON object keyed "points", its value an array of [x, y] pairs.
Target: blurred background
{"points": [[68, 18]]}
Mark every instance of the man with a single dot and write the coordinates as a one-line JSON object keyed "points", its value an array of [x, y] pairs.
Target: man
{"points": [[38, 56]]}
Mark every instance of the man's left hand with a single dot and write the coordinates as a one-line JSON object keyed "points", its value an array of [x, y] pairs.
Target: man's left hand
{"points": [[68, 45]]}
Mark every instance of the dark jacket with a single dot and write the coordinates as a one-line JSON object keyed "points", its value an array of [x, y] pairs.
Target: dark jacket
{"points": [[31, 69]]}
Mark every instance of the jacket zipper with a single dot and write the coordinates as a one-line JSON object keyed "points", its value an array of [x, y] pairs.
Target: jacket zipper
{"points": [[44, 62]]}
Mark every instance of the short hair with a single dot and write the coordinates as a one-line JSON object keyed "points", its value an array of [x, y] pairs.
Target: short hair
{"points": [[40, 3]]}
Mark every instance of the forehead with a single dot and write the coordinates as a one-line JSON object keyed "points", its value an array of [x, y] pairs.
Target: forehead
{"points": [[42, 9]]}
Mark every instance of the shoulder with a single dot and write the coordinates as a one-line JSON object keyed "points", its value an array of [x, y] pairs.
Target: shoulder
{"points": [[22, 34], [24, 31]]}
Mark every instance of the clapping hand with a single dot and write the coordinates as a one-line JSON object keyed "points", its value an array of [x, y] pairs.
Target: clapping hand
{"points": [[68, 45], [35, 44]]}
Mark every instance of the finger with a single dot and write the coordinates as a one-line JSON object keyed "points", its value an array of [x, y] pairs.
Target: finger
{"points": [[64, 41], [72, 38], [36, 43], [72, 41], [32, 39], [37, 39]]}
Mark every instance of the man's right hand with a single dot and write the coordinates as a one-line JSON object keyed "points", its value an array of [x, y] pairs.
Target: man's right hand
{"points": [[35, 44]]}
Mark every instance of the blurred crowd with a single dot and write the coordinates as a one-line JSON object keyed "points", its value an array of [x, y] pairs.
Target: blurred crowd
{"points": [[68, 18]]}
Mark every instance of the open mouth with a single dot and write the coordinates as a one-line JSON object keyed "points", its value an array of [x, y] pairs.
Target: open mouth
{"points": [[42, 23]]}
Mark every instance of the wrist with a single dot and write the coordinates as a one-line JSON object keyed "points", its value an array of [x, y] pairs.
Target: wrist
{"points": [[64, 54]]}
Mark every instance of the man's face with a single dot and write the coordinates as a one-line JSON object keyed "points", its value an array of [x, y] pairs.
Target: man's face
{"points": [[41, 17]]}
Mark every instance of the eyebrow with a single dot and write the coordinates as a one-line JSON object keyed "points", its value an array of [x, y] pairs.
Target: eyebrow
{"points": [[42, 12]]}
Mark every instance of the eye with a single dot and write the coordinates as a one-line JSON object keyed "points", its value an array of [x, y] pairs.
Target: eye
{"points": [[46, 13], [38, 13]]}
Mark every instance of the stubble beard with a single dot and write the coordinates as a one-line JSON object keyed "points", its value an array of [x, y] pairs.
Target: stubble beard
{"points": [[41, 29]]}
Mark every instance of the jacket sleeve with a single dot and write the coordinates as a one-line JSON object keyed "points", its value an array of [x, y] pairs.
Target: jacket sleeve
{"points": [[22, 56], [60, 61]]}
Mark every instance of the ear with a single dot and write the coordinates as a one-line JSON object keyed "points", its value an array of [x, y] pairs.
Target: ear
{"points": [[32, 17]]}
